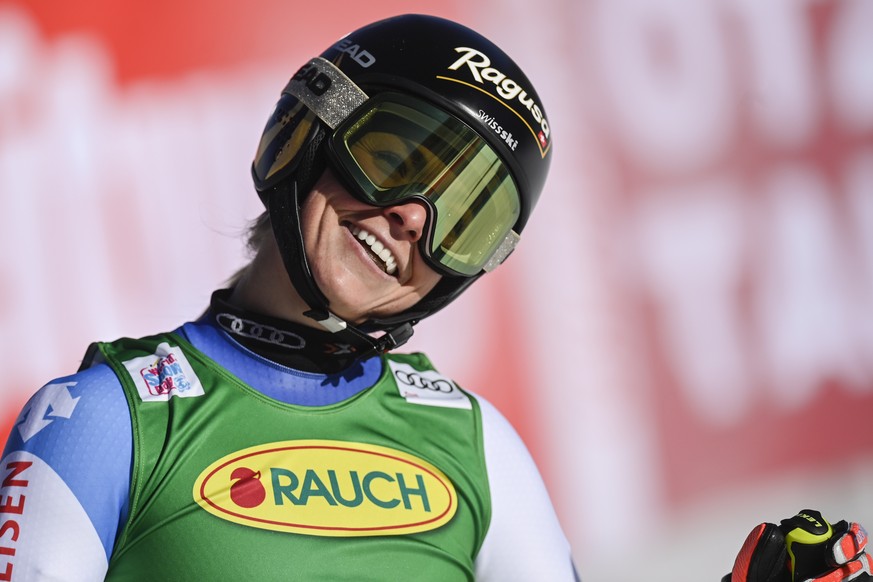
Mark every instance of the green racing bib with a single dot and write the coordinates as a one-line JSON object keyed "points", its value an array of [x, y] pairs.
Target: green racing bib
{"points": [[228, 483]]}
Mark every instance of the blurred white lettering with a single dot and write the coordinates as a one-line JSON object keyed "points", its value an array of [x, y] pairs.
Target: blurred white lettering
{"points": [[665, 73], [848, 65], [778, 83], [757, 253], [99, 186]]}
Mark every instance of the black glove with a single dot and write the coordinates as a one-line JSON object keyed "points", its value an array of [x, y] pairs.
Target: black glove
{"points": [[804, 548]]}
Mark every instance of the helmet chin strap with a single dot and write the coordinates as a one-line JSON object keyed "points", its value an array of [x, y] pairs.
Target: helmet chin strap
{"points": [[283, 205]]}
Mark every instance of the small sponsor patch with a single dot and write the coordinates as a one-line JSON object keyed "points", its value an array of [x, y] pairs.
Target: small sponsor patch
{"points": [[327, 488], [164, 374], [427, 387]]}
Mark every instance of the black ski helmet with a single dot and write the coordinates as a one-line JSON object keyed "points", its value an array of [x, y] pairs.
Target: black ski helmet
{"points": [[433, 59]]}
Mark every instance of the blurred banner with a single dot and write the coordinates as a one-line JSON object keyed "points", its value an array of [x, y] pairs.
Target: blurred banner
{"points": [[685, 336]]}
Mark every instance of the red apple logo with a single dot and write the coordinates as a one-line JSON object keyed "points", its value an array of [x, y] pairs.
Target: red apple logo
{"points": [[247, 491]]}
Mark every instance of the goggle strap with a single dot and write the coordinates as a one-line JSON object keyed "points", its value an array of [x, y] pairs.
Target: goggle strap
{"points": [[506, 247], [391, 339], [394, 338], [326, 90]]}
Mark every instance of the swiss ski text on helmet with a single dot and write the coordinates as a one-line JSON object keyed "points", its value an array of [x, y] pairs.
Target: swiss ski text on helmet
{"points": [[483, 73]]}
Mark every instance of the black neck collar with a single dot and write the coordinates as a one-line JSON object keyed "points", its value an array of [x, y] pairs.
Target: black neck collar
{"points": [[285, 342]]}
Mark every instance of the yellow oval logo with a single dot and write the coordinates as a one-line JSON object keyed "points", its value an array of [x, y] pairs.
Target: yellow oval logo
{"points": [[327, 488]]}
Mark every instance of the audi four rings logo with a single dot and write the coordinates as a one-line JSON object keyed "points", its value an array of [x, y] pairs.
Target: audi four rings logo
{"points": [[419, 381], [427, 387], [259, 331]]}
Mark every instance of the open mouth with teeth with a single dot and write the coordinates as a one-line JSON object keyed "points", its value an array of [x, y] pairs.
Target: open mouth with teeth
{"points": [[377, 251]]}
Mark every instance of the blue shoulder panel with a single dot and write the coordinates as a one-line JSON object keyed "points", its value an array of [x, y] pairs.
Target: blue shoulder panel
{"points": [[80, 426]]}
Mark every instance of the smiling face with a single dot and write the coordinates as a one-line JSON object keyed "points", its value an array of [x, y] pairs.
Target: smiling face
{"points": [[365, 259]]}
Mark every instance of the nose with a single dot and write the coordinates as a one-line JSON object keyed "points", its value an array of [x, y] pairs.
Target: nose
{"points": [[407, 221]]}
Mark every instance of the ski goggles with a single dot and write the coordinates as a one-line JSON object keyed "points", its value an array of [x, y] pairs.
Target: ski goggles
{"points": [[396, 149]]}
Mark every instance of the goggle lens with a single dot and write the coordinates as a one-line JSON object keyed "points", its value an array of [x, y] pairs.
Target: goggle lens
{"points": [[401, 148]]}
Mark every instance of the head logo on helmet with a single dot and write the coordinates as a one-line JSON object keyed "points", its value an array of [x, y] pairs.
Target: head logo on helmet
{"points": [[359, 55]]}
